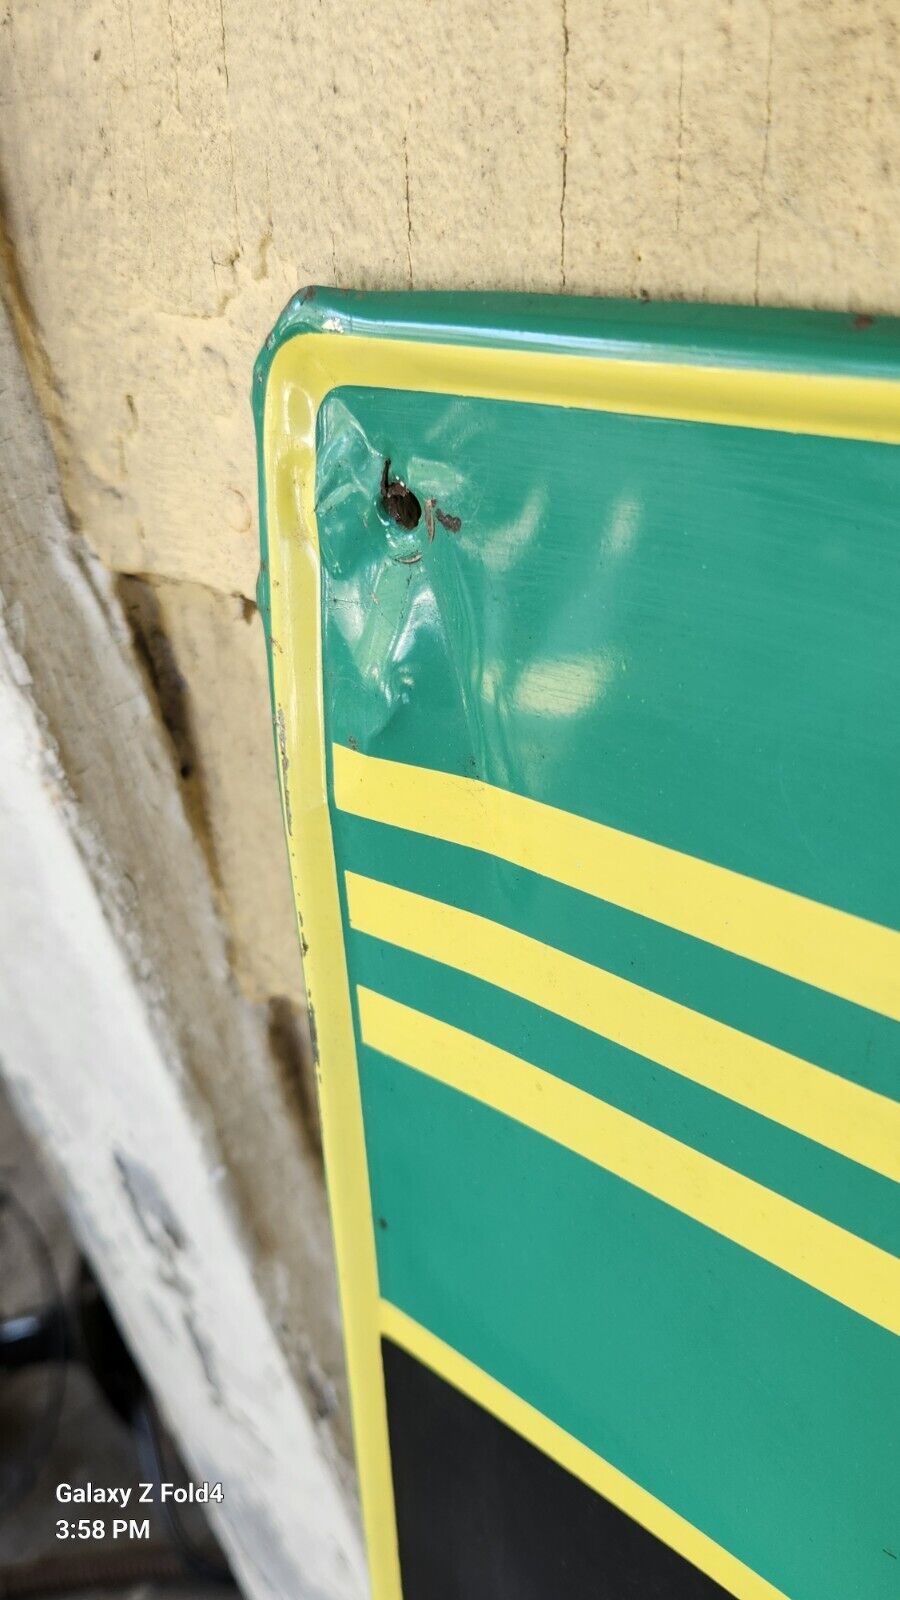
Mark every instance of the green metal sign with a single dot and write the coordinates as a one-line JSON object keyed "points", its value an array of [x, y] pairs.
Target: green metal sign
{"points": [[586, 666]]}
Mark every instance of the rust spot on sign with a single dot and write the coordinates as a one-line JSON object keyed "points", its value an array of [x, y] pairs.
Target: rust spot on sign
{"points": [[432, 510], [401, 505]]}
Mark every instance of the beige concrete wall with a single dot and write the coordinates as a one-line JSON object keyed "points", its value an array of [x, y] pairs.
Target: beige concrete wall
{"points": [[173, 169], [166, 1102]]}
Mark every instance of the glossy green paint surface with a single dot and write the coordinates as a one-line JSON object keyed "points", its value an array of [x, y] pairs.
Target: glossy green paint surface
{"points": [[761, 1411], [688, 632], [708, 335]]}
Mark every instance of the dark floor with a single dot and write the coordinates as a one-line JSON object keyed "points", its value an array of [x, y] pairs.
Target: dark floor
{"points": [[49, 1438]]}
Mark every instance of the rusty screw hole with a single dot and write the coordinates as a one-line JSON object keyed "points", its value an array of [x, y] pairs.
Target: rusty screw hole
{"points": [[398, 500]]}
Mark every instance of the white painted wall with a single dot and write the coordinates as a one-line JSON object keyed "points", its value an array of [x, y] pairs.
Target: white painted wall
{"points": [[95, 1046]]}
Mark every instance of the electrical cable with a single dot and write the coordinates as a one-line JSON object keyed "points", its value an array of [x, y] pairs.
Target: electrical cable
{"points": [[80, 1569], [150, 1456], [60, 1574], [41, 1446]]}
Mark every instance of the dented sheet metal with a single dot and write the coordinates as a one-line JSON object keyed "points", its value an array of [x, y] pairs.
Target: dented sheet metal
{"points": [[583, 644]]}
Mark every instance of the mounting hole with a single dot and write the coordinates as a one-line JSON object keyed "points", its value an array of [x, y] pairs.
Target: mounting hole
{"points": [[401, 505]]}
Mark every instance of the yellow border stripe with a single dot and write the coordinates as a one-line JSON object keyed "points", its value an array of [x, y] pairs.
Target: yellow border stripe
{"points": [[747, 397], [546, 1436], [297, 681], [841, 1115], [816, 1251], [830, 949]]}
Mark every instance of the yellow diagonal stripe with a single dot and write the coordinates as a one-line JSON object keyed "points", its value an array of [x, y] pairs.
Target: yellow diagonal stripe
{"points": [[637, 1503], [854, 1121], [830, 949], [817, 1252]]}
